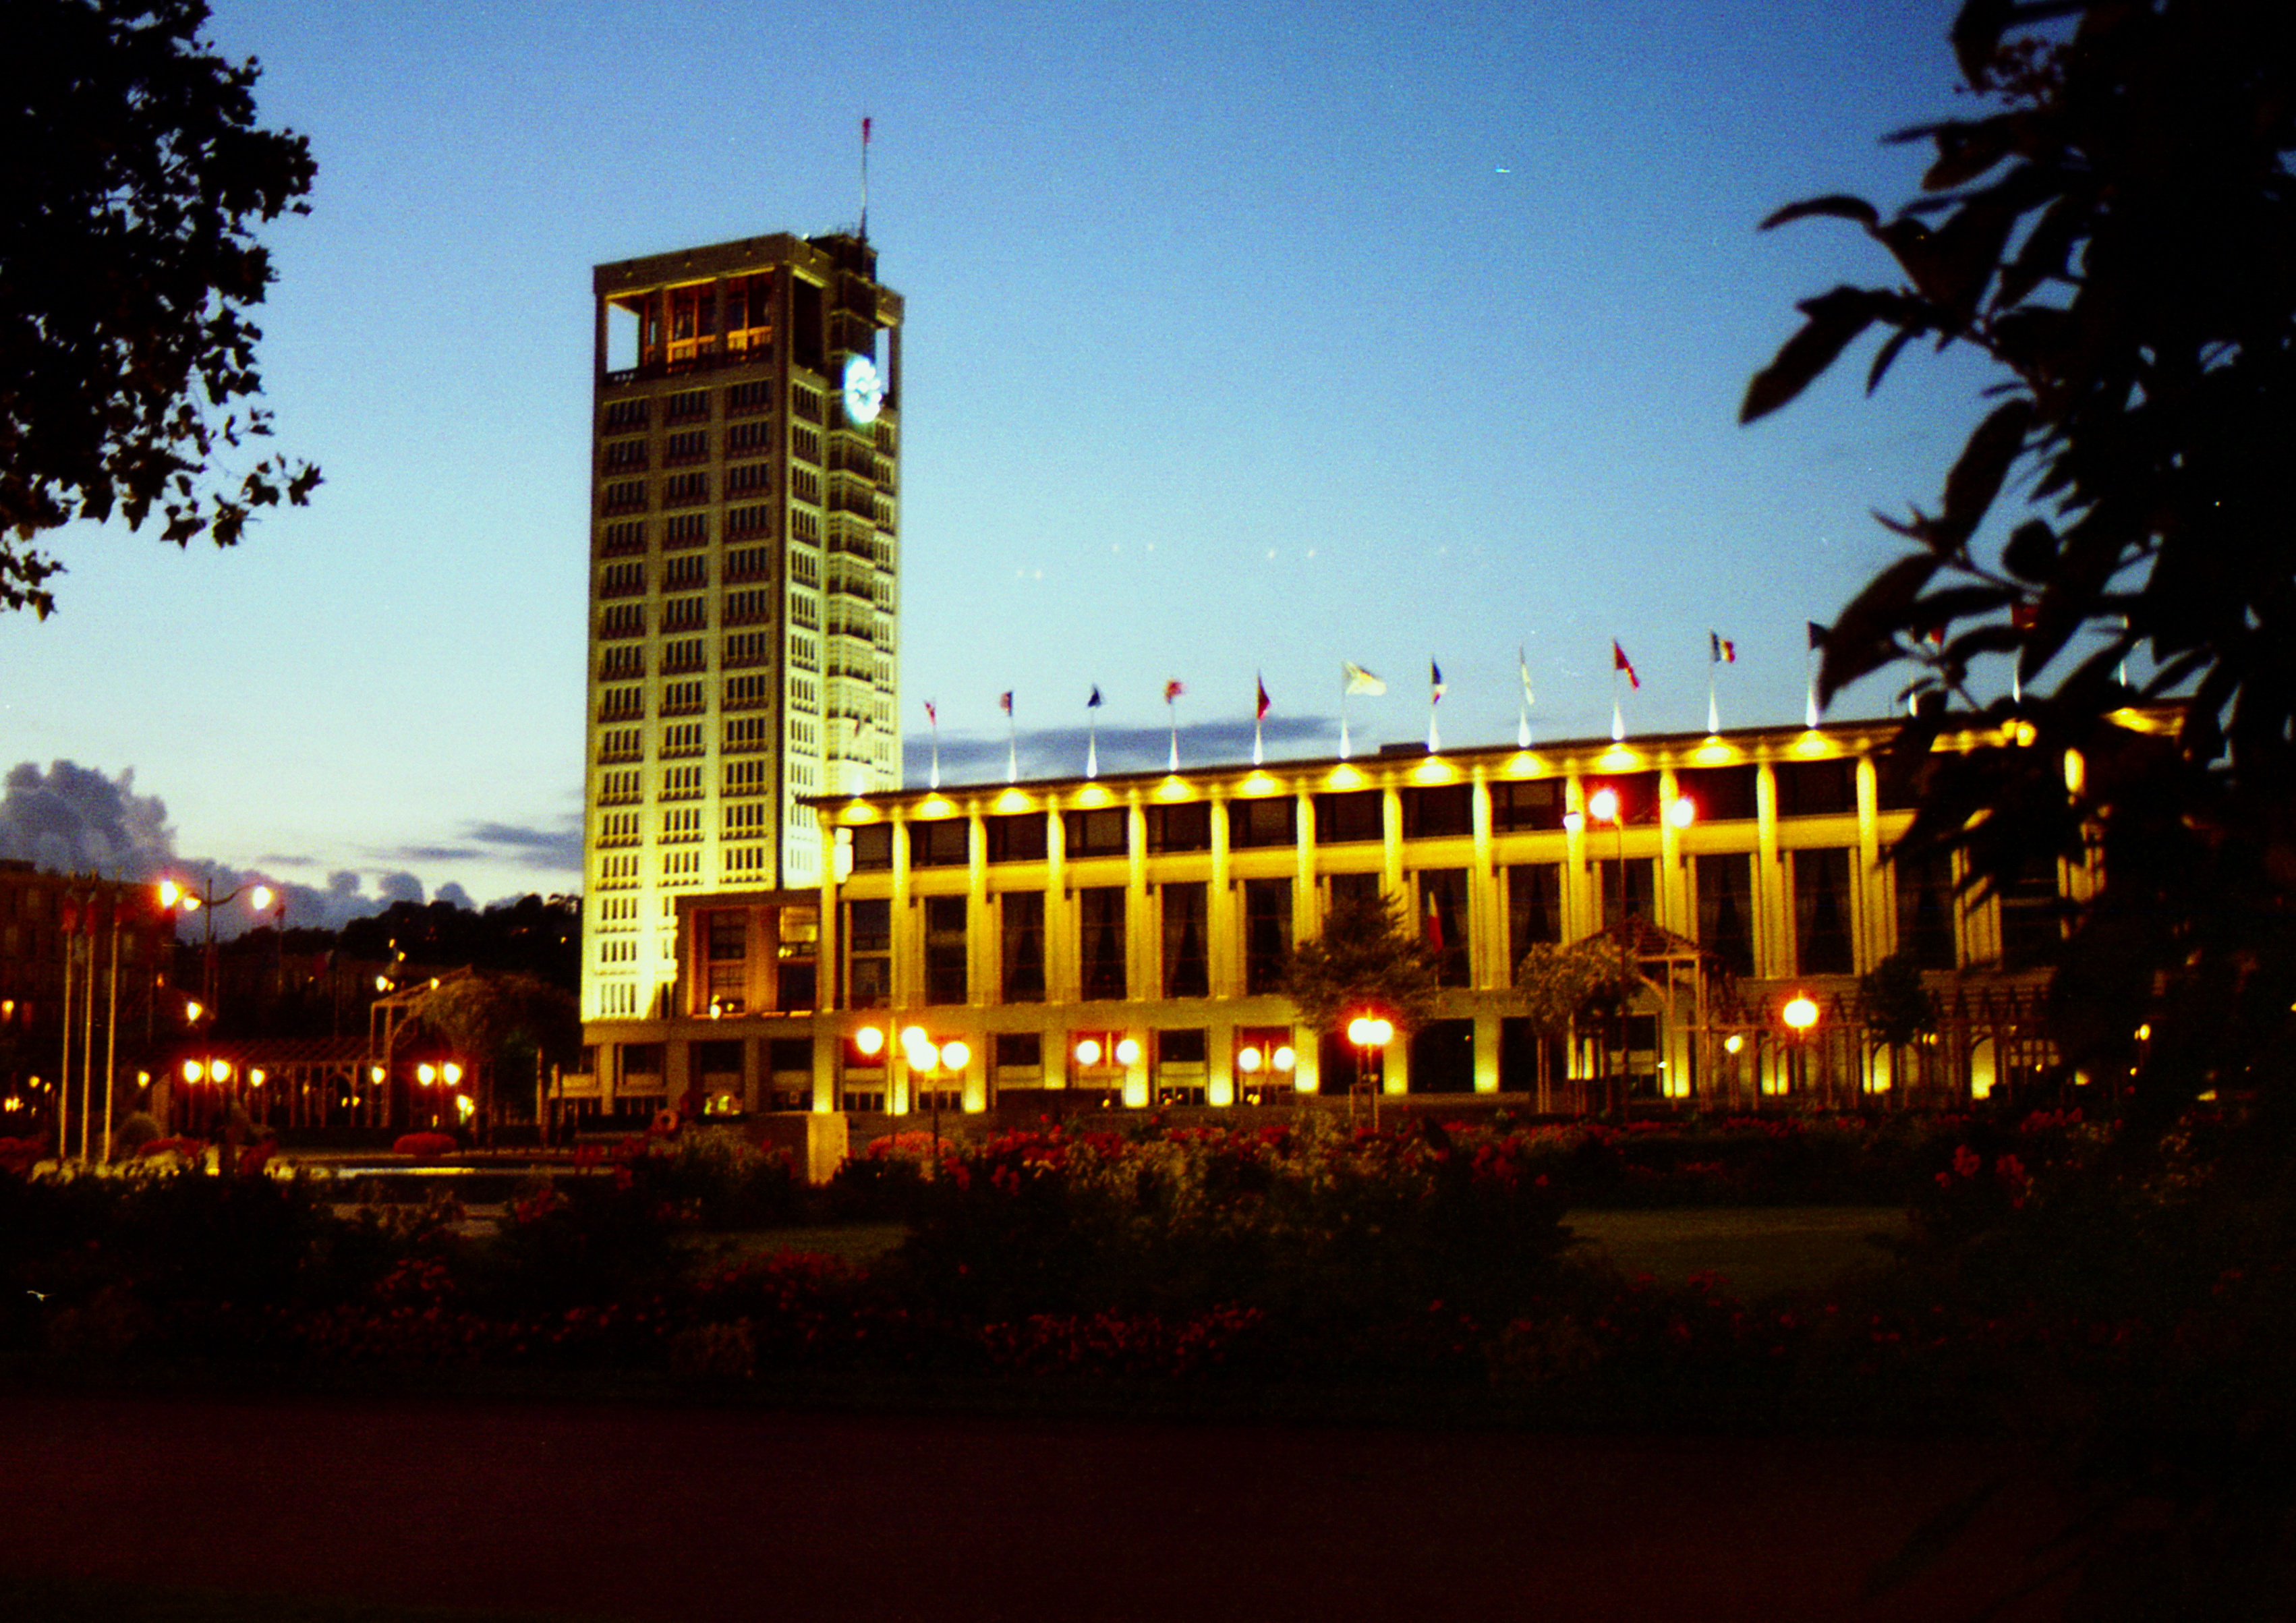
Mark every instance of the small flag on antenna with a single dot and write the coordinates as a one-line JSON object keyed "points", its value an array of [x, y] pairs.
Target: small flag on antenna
{"points": [[1619, 661]]}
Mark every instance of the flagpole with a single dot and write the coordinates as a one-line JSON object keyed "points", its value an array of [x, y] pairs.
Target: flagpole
{"points": [[933, 717], [1344, 685], [1713, 715], [1259, 713], [1434, 697], [1523, 710], [1012, 741]]}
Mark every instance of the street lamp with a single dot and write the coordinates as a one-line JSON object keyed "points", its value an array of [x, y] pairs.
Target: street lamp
{"points": [[1800, 1015], [1274, 1057], [1370, 1033], [927, 1060]]}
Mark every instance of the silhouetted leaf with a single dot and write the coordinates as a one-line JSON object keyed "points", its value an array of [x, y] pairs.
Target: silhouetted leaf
{"points": [[1863, 638], [1966, 151], [1834, 206], [1983, 464], [1834, 319], [1896, 341], [2031, 550]]}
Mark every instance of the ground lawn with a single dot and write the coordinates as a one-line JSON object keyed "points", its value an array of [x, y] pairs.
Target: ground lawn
{"points": [[1761, 1250]]}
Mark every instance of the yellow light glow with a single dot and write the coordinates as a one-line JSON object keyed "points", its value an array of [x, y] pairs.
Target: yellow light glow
{"points": [[1283, 1059], [170, 893], [869, 1041], [2076, 772], [1814, 744], [466, 1106], [375, 1073], [936, 806], [221, 1071], [1573, 821], [1714, 752], [1682, 811], [1800, 1011], [1523, 763], [1343, 777], [956, 1056], [191, 1071], [1735, 1043], [1128, 1050], [426, 1073], [1087, 1052], [261, 898], [1093, 796], [1434, 769], [382, 983], [1258, 784], [858, 812], [1369, 1031], [1249, 1061], [1603, 805], [192, 1011], [1015, 800], [2144, 1032], [451, 1073], [2021, 733], [1173, 788], [188, 901], [256, 1077], [1618, 757]]}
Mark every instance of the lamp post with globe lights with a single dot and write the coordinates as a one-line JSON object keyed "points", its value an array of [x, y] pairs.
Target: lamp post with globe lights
{"points": [[1799, 1014], [1370, 1032]]}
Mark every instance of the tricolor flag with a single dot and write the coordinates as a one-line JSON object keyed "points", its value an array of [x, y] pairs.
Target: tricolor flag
{"points": [[1005, 702], [1259, 712], [1359, 680], [1724, 650], [1619, 661], [1434, 683]]}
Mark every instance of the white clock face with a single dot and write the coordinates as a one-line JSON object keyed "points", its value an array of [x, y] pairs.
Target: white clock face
{"points": [[865, 391]]}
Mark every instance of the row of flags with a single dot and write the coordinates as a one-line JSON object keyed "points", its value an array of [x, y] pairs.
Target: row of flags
{"points": [[1358, 681]]}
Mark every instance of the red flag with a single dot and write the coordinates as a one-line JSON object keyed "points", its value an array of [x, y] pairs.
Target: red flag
{"points": [[1005, 702], [1173, 690], [865, 132], [1619, 661], [933, 717], [1261, 713], [1434, 923], [2024, 616], [70, 917]]}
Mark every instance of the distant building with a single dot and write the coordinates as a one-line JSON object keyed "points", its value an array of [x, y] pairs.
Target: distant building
{"points": [[74, 933], [744, 583], [1122, 938]]}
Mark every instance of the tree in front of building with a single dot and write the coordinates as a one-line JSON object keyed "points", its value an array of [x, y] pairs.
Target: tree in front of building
{"points": [[128, 261], [507, 1027], [1365, 962], [1561, 988], [2114, 230]]}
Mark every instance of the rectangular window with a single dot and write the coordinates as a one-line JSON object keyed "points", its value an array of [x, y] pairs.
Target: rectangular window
{"points": [[2030, 916], [749, 397], [621, 537], [682, 699], [621, 581], [1345, 818], [689, 405], [747, 819], [624, 496], [941, 844], [1519, 805], [1347, 887], [619, 744], [749, 439], [685, 489], [944, 948], [746, 693], [1438, 811], [1267, 933], [745, 648], [1184, 827], [682, 738], [1725, 908], [869, 951], [684, 655], [749, 563], [1821, 893], [748, 478], [1817, 788], [621, 703], [681, 783], [1187, 972], [1534, 907], [1101, 945], [1637, 793], [1636, 899], [684, 613], [753, 606], [682, 530], [1721, 794], [1925, 910], [748, 523], [1018, 838], [692, 445], [873, 848], [622, 619], [1443, 923], [1261, 823], [1101, 832], [625, 456], [687, 574], [1022, 950], [625, 414]]}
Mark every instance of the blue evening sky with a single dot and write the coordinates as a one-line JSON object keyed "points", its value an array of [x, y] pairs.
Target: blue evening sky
{"points": [[1245, 339]]}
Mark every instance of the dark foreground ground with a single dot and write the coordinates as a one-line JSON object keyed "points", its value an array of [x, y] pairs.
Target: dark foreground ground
{"points": [[692, 1515]]}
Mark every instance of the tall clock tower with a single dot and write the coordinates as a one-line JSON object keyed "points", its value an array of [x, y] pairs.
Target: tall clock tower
{"points": [[744, 583]]}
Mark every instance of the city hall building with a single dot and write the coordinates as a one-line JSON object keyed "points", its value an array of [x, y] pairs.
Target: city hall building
{"points": [[1038, 946]]}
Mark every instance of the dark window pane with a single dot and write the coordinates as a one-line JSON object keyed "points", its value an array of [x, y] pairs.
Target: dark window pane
{"points": [[1019, 837], [1725, 909], [1439, 811], [1275, 821], [1186, 827], [1821, 880], [1817, 788], [1635, 900], [1443, 922], [1534, 907], [1186, 973], [1342, 819], [1267, 933], [938, 845], [1722, 794], [1104, 833], [944, 948], [873, 846], [1023, 951], [1925, 911], [1533, 804], [1100, 918]]}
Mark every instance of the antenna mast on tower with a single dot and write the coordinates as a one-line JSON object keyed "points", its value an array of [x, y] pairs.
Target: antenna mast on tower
{"points": [[864, 177]]}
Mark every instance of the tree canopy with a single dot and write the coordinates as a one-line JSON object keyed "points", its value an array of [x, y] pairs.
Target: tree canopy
{"points": [[1363, 960], [2115, 230], [128, 261]]}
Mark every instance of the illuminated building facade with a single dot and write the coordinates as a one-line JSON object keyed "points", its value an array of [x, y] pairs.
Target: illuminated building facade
{"points": [[62, 937], [1122, 938], [744, 583]]}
